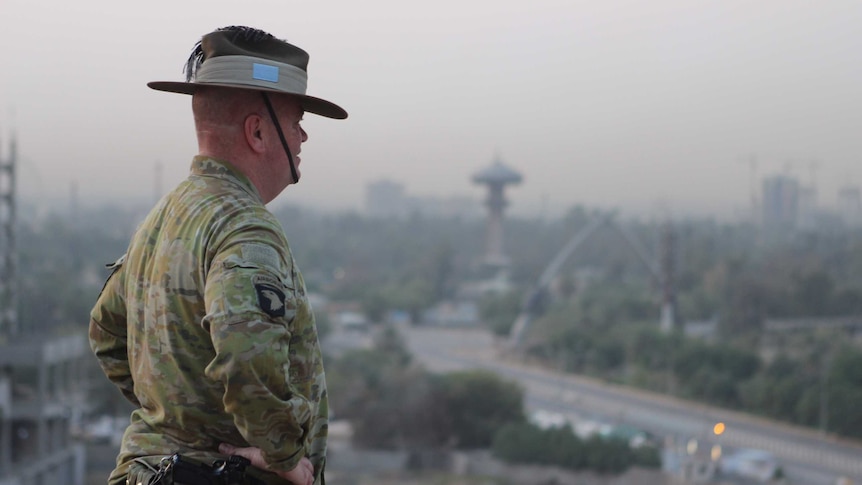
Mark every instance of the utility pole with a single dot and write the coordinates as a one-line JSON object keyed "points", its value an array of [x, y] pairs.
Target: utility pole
{"points": [[752, 181], [8, 280], [668, 253]]}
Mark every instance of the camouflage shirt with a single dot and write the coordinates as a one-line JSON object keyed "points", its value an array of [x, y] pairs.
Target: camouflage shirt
{"points": [[205, 326]]}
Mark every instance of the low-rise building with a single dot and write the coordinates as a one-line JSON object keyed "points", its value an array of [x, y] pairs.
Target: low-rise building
{"points": [[44, 385]]}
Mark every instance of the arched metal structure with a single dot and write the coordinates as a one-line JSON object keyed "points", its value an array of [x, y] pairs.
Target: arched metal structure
{"points": [[532, 302]]}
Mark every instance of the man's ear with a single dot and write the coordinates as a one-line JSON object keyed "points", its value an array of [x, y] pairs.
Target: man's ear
{"points": [[253, 131]]}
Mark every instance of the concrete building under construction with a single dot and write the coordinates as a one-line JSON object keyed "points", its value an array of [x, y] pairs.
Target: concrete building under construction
{"points": [[43, 378]]}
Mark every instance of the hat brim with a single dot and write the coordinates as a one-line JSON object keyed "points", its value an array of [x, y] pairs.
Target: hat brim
{"points": [[310, 104]]}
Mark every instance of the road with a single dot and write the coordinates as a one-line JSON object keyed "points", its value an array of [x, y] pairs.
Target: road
{"points": [[806, 456]]}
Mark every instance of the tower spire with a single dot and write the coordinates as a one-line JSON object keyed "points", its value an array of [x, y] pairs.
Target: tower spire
{"points": [[496, 177]]}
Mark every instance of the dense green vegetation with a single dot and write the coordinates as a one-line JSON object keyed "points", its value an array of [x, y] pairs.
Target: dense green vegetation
{"points": [[813, 380], [526, 443], [602, 320], [600, 316], [393, 404], [61, 265]]}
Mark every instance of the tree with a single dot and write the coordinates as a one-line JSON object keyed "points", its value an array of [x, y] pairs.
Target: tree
{"points": [[404, 415], [499, 311], [560, 446], [812, 293], [479, 403], [527, 443], [843, 389]]}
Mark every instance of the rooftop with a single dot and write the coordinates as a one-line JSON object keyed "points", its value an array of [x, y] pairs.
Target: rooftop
{"points": [[497, 173]]}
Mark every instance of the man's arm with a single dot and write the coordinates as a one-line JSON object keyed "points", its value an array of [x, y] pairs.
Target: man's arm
{"points": [[108, 333], [302, 474], [250, 311]]}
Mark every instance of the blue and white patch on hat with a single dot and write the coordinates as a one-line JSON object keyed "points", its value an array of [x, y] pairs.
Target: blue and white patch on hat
{"points": [[264, 72]]}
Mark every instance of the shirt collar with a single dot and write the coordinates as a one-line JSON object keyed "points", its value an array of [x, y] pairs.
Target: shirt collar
{"points": [[212, 167]]}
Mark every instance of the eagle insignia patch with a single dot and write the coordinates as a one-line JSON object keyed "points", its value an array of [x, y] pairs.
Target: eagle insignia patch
{"points": [[270, 298]]}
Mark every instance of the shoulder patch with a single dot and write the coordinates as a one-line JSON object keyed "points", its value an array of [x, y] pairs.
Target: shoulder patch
{"points": [[261, 254], [270, 298]]}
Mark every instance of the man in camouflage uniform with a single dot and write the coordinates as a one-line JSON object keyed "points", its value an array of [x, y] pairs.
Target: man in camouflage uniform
{"points": [[204, 324]]}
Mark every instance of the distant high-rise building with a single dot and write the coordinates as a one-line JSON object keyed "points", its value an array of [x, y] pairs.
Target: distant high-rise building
{"points": [[388, 199], [781, 195], [385, 198], [850, 206], [496, 177], [807, 213]]}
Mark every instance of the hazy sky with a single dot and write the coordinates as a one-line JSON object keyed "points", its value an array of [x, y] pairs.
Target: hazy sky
{"points": [[635, 104]]}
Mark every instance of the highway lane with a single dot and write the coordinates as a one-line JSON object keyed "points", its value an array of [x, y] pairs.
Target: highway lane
{"points": [[805, 454]]}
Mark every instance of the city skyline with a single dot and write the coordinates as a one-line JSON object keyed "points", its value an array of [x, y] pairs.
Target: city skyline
{"points": [[845, 203]]}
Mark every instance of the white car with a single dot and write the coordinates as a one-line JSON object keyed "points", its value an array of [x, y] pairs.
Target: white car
{"points": [[750, 463]]}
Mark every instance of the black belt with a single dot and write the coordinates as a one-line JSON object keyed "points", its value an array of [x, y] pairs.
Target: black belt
{"points": [[180, 470]]}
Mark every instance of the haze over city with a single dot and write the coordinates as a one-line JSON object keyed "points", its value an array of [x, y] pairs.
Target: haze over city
{"points": [[644, 106]]}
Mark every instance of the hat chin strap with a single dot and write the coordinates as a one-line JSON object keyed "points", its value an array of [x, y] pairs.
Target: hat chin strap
{"points": [[281, 136]]}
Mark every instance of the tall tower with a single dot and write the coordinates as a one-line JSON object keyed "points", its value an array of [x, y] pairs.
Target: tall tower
{"points": [[780, 202], [8, 286], [850, 205], [496, 178]]}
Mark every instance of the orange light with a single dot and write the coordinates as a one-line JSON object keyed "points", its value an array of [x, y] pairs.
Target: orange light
{"points": [[718, 429]]}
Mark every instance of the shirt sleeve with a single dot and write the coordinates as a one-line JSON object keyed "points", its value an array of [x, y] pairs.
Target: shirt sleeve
{"points": [[251, 304], [108, 332]]}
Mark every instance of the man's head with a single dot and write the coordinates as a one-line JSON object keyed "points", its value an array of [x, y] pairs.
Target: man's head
{"points": [[248, 99], [235, 125]]}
